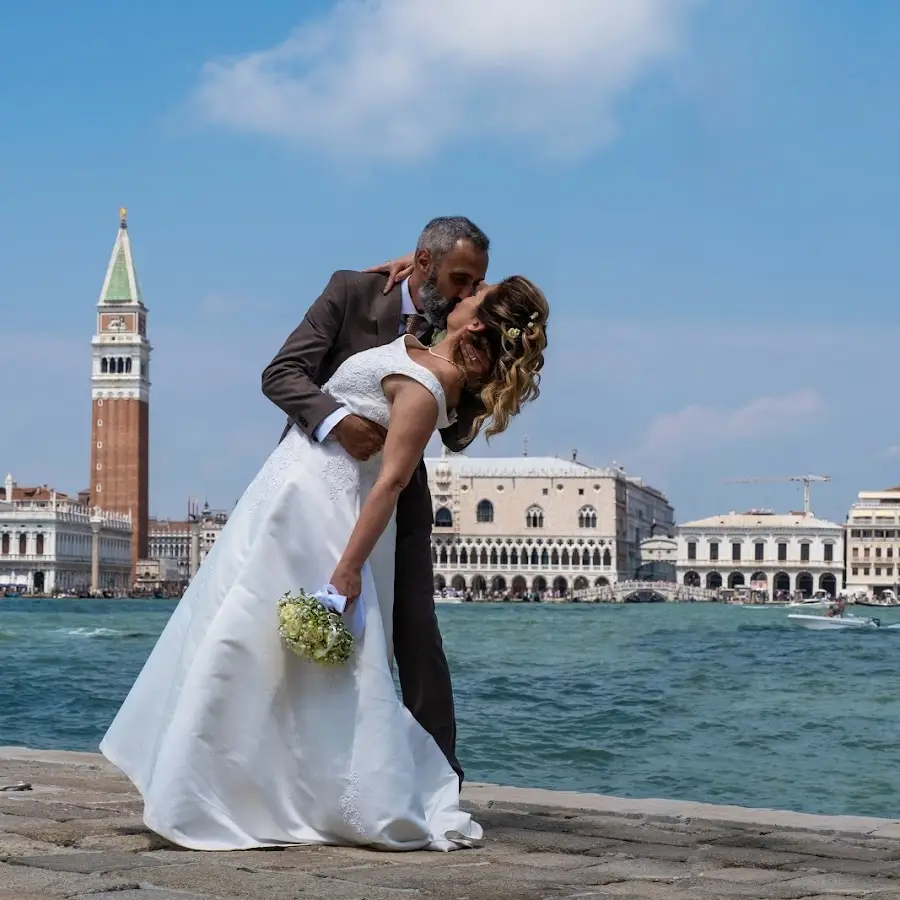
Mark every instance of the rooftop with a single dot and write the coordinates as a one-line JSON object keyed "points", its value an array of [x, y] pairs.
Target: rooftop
{"points": [[11, 492], [760, 519], [520, 466], [168, 526]]}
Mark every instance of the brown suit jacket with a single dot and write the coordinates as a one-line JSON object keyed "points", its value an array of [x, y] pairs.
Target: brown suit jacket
{"points": [[350, 316]]}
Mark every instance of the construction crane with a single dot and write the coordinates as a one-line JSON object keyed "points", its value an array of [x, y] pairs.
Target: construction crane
{"points": [[805, 479]]}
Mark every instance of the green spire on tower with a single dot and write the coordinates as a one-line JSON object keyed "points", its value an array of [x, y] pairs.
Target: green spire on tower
{"points": [[121, 283]]}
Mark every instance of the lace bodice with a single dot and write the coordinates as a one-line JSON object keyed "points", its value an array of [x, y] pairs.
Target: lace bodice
{"points": [[357, 382]]}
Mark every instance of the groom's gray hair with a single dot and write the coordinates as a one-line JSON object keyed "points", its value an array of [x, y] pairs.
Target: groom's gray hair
{"points": [[441, 235]]}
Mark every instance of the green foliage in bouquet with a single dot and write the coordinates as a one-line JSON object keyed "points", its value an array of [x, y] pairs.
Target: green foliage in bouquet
{"points": [[313, 632]]}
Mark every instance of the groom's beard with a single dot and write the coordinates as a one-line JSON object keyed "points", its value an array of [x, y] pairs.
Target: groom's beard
{"points": [[435, 306]]}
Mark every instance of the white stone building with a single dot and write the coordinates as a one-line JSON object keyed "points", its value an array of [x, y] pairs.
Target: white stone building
{"points": [[873, 542], [47, 544], [518, 525], [183, 544], [794, 553]]}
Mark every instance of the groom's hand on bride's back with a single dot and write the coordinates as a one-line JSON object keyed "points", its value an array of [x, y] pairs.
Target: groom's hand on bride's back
{"points": [[360, 437]]}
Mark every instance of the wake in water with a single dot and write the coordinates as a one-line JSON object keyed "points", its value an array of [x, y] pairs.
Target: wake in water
{"points": [[101, 633]]}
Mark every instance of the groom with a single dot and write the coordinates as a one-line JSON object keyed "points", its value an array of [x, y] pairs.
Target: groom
{"points": [[354, 314]]}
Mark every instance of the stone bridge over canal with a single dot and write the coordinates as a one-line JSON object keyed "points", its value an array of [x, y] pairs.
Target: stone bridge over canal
{"points": [[645, 592]]}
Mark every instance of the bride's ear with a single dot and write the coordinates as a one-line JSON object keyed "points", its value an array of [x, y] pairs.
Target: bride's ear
{"points": [[476, 326]]}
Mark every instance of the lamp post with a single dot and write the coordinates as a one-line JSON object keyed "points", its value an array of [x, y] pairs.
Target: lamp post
{"points": [[195, 546], [96, 522]]}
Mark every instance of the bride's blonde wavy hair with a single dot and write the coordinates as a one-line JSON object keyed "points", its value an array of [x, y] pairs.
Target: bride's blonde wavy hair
{"points": [[514, 314]]}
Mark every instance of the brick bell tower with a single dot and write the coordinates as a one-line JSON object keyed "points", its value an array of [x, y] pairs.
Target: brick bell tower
{"points": [[120, 397]]}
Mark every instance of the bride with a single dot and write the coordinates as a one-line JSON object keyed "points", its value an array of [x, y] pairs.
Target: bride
{"points": [[236, 743]]}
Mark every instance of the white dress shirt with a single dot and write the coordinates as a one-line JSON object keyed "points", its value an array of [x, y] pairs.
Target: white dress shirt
{"points": [[407, 308]]}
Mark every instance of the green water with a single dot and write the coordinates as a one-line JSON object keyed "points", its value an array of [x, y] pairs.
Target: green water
{"points": [[699, 702]]}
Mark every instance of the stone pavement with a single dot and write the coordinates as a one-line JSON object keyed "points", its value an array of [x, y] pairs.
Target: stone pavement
{"points": [[78, 834]]}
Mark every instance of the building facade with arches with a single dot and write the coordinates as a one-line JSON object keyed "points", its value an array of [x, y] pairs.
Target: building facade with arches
{"points": [[47, 542], [181, 545], [794, 553], [522, 525]]}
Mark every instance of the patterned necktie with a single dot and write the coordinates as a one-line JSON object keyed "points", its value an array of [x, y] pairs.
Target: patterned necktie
{"points": [[415, 324]]}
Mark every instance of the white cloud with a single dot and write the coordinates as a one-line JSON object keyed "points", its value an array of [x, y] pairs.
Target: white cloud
{"points": [[392, 79], [673, 434]]}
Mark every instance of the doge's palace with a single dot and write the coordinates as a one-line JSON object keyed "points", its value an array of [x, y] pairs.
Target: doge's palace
{"points": [[519, 525]]}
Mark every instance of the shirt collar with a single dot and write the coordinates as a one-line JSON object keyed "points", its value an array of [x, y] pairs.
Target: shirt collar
{"points": [[407, 307]]}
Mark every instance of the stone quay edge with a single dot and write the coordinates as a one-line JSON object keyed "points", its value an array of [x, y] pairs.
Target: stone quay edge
{"points": [[78, 834]]}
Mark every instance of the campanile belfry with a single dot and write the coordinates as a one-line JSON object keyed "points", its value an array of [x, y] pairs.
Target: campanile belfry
{"points": [[120, 396]]}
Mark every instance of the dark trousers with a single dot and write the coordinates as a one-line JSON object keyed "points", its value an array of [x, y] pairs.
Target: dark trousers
{"points": [[418, 647]]}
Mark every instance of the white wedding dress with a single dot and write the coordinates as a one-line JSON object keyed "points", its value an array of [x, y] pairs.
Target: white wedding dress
{"points": [[232, 740]]}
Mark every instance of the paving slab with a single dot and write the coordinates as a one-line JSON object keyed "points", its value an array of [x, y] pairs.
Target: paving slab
{"points": [[78, 835], [148, 893]]}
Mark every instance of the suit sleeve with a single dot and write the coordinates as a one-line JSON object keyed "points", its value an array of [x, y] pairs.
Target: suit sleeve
{"points": [[290, 381], [456, 436]]}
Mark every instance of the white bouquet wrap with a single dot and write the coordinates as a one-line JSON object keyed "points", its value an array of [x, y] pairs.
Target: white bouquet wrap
{"points": [[310, 626]]}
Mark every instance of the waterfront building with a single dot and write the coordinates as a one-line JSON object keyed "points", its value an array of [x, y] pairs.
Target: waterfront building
{"points": [[648, 514], [873, 542], [659, 555], [51, 543], [518, 525], [120, 395], [158, 575], [181, 545], [792, 553]]}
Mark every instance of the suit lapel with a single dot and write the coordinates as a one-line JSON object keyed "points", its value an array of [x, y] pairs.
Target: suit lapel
{"points": [[387, 316]]}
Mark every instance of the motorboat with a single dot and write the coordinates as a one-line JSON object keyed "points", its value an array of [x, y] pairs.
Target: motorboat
{"points": [[838, 623], [887, 600], [820, 599]]}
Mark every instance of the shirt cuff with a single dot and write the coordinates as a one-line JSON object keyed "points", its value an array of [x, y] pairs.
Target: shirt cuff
{"points": [[326, 426]]}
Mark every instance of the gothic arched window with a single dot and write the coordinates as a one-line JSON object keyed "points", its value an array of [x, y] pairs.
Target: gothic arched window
{"points": [[534, 517], [443, 518], [587, 517], [484, 512]]}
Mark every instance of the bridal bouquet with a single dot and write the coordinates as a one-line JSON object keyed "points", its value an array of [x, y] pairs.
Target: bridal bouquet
{"points": [[312, 631]]}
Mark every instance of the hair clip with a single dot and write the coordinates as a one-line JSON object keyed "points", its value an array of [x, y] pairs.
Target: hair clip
{"points": [[511, 333], [534, 315]]}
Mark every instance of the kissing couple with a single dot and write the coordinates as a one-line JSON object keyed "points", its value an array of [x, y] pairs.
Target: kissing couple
{"points": [[233, 741]]}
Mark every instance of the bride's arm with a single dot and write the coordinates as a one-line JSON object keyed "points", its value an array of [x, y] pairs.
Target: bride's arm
{"points": [[413, 420]]}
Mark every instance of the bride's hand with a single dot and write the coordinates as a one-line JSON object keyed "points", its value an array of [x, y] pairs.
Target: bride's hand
{"points": [[395, 269], [347, 582]]}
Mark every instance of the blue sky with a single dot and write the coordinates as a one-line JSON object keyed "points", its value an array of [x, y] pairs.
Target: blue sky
{"points": [[707, 192]]}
